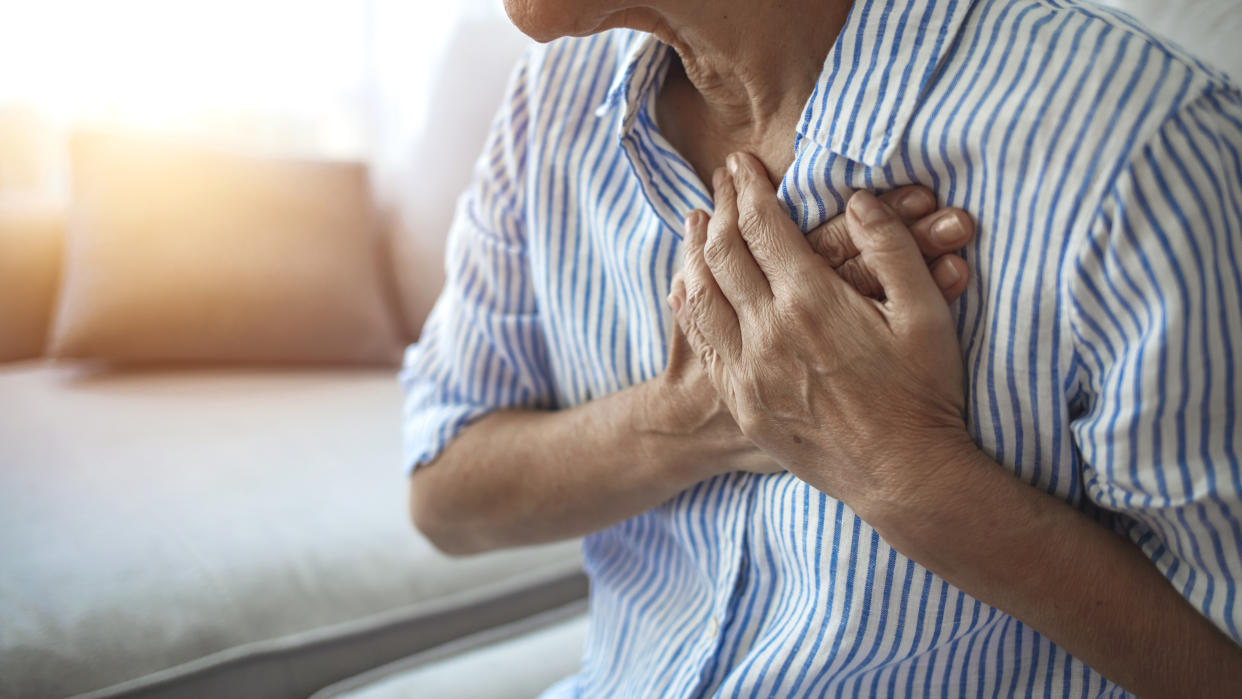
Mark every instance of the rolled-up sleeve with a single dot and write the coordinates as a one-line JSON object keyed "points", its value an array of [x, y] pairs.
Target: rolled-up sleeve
{"points": [[1156, 307], [482, 347]]}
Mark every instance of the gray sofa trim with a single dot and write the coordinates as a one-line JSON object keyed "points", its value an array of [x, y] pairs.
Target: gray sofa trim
{"points": [[300, 664], [452, 649]]}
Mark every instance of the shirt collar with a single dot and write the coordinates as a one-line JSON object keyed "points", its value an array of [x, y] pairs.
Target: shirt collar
{"points": [[875, 74], [867, 92], [638, 70]]}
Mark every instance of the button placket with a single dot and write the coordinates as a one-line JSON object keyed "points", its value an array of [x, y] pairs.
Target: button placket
{"points": [[734, 542]]}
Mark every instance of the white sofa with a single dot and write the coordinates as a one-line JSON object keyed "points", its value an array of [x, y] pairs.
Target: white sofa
{"points": [[242, 532], [212, 532]]}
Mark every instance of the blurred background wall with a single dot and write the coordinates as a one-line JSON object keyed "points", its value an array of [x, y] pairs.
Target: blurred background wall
{"points": [[402, 86], [317, 78], [272, 75]]}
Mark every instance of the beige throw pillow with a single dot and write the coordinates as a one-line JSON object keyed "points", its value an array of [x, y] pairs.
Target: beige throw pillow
{"points": [[31, 236], [185, 254]]}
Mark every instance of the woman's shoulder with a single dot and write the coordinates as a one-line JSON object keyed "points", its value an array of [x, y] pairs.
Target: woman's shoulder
{"points": [[1024, 59], [1075, 82]]}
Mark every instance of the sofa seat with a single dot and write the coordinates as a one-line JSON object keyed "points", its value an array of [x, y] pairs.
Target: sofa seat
{"points": [[516, 661], [225, 532]]}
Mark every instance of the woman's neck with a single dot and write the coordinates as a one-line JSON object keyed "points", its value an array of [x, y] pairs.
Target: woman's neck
{"points": [[753, 60], [746, 71]]}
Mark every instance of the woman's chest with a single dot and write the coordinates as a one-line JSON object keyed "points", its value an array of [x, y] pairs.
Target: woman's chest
{"points": [[602, 276], [603, 251]]}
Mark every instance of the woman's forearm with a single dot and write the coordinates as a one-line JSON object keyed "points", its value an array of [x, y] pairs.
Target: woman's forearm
{"points": [[523, 477], [1085, 588]]}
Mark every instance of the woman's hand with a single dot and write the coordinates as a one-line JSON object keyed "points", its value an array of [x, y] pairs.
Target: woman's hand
{"points": [[687, 399], [846, 391], [688, 407]]}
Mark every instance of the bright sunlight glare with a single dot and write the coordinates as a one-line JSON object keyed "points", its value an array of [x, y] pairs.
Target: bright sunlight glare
{"points": [[149, 62]]}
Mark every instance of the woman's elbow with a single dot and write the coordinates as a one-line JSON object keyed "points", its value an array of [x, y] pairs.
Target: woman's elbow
{"points": [[446, 528]]}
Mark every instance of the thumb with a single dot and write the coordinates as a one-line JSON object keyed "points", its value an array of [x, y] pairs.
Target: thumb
{"points": [[892, 253]]}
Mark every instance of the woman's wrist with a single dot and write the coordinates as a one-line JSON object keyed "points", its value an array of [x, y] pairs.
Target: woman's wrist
{"points": [[659, 439], [922, 517], [673, 437], [972, 522], [892, 481]]}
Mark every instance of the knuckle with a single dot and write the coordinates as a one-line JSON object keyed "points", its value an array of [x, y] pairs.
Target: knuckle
{"points": [[726, 201], [799, 313], [785, 306], [859, 276], [716, 251], [873, 222], [818, 240], [707, 357], [695, 340], [880, 225], [837, 248], [696, 298], [760, 241], [767, 344], [749, 218], [766, 341], [886, 242]]}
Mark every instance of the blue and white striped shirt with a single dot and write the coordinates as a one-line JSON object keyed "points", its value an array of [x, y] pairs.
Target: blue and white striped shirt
{"points": [[1104, 170]]}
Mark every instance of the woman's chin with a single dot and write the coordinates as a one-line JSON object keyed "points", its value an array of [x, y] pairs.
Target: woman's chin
{"points": [[541, 20]]}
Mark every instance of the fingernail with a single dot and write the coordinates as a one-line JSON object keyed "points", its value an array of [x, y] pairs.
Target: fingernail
{"points": [[674, 301], [948, 231], [732, 161], [945, 274], [689, 224], [915, 203], [867, 208], [718, 178]]}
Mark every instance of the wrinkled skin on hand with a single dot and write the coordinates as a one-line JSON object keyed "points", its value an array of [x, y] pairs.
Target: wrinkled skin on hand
{"points": [[708, 400]]}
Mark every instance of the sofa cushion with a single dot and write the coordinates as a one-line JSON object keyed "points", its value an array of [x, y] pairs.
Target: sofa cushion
{"points": [[225, 533], [178, 253], [31, 238]]}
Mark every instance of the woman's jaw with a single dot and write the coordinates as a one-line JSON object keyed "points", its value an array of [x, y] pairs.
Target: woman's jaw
{"points": [[548, 20]]}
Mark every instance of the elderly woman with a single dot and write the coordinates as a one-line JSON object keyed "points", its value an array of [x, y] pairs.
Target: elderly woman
{"points": [[801, 471]]}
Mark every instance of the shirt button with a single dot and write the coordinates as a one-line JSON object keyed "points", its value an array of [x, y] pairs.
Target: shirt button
{"points": [[713, 626]]}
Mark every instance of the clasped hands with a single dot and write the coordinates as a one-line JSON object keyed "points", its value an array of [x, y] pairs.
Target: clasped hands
{"points": [[834, 354]]}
